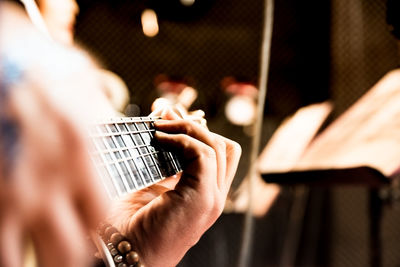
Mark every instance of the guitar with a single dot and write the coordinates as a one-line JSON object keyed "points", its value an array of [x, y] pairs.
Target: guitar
{"points": [[126, 156]]}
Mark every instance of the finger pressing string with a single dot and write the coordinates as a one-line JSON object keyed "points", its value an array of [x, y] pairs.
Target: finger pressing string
{"points": [[203, 135], [192, 150]]}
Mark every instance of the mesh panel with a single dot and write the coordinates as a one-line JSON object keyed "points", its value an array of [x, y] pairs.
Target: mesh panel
{"points": [[223, 42], [363, 50]]}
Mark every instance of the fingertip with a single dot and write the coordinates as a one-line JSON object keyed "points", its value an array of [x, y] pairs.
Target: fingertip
{"points": [[160, 135], [155, 113], [160, 104], [169, 114], [162, 124]]}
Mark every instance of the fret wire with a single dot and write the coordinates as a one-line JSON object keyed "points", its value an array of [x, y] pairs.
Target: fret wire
{"points": [[106, 172], [133, 177], [113, 174], [134, 159], [118, 149], [152, 158], [176, 162], [122, 120], [119, 169], [169, 160], [144, 171], [135, 125], [108, 168], [103, 180], [168, 155], [114, 145], [125, 159], [115, 134], [143, 156], [112, 138], [173, 165]]}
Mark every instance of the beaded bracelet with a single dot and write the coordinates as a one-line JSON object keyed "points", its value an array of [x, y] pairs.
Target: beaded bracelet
{"points": [[119, 247]]}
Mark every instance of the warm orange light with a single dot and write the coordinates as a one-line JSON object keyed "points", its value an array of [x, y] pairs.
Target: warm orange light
{"points": [[187, 2], [241, 110], [149, 23]]}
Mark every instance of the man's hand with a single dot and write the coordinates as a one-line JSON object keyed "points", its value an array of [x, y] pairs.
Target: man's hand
{"points": [[164, 223]]}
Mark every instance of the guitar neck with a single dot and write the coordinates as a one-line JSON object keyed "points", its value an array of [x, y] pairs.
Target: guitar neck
{"points": [[126, 156]]}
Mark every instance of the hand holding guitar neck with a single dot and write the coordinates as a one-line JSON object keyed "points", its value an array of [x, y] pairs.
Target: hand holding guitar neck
{"points": [[166, 221]]}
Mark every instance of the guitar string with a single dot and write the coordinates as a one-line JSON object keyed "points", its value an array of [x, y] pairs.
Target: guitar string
{"points": [[127, 120], [123, 145], [106, 184], [120, 173], [111, 134], [111, 166], [109, 172], [135, 162], [156, 164], [119, 168], [127, 132], [129, 148], [151, 157], [150, 154], [118, 147], [141, 137]]}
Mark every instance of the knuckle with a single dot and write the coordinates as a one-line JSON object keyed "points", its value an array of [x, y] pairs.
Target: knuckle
{"points": [[234, 147], [208, 152], [220, 145], [188, 126], [181, 138]]}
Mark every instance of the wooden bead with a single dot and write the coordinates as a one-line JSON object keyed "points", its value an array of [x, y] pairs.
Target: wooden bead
{"points": [[116, 238], [139, 265], [132, 257], [124, 247], [109, 231], [122, 265]]}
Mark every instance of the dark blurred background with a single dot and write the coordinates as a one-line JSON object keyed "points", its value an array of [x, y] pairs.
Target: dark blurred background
{"points": [[332, 49]]}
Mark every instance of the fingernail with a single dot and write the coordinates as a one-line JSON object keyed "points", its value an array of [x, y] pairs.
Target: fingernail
{"points": [[159, 134], [160, 122]]}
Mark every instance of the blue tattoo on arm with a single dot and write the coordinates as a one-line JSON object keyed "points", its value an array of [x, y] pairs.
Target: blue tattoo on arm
{"points": [[9, 74]]}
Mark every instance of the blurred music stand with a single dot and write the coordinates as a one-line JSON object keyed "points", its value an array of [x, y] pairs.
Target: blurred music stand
{"points": [[361, 147]]}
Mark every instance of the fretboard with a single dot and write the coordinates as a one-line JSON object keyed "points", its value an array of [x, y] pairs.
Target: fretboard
{"points": [[127, 158]]}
